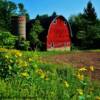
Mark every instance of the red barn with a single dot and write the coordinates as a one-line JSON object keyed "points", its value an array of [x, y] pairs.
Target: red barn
{"points": [[56, 34], [59, 35]]}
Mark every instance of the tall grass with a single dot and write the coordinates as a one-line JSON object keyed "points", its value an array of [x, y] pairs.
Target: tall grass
{"points": [[28, 78]]}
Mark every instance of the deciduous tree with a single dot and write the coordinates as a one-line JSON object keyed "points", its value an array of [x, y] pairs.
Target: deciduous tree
{"points": [[34, 34]]}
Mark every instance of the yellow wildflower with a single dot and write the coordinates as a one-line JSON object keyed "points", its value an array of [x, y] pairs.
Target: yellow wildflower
{"points": [[92, 68], [66, 84], [80, 91], [82, 69], [18, 54], [46, 78], [25, 64], [22, 63], [3, 49], [41, 73], [80, 76], [97, 98], [25, 74], [30, 59]]}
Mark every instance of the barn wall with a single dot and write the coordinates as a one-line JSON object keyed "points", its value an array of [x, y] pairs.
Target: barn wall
{"points": [[58, 35]]}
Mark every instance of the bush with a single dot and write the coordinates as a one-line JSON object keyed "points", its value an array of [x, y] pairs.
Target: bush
{"points": [[8, 62], [22, 44], [73, 47], [12, 62], [7, 40]]}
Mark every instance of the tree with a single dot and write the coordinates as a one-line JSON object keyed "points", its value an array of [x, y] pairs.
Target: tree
{"points": [[34, 34], [89, 12], [27, 17], [7, 9], [23, 11], [7, 40], [54, 15], [12, 8], [77, 23], [88, 30]]}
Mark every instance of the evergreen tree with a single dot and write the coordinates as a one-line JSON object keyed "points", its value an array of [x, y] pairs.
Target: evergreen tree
{"points": [[88, 32], [89, 12], [54, 15]]}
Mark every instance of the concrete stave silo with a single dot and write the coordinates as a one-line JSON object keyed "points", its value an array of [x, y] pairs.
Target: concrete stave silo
{"points": [[22, 27]]}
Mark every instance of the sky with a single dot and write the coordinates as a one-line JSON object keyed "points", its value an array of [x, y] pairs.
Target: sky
{"points": [[61, 7]]}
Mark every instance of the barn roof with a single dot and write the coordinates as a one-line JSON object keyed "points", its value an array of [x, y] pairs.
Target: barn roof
{"points": [[60, 16], [45, 22], [64, 19]]}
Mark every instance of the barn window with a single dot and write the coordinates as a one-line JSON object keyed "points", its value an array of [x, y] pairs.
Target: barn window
{"points": [[65, 23], [54, 21]]}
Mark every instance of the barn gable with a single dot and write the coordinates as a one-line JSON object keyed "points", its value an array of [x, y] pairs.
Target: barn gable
{"points": [[59, 35]]}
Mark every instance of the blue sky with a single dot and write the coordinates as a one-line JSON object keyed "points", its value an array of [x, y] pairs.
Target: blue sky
{"points": [[62, 7]]}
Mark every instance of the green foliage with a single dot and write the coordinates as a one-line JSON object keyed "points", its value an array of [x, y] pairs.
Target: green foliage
{"points": [[73, 47], [7, 64], [7, 40], [85, 28], [89, 12], [34, 34], [35, 79], [22, 11], [7, 9], [13, 63], [22, 44], [27, 17], [90, 36]]}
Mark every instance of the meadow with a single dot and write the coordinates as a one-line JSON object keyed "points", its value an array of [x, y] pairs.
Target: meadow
{"points": [[43, 76]]}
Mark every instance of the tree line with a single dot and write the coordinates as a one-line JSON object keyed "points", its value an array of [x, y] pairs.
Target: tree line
{"points": [[85, 26], [9, 9]]}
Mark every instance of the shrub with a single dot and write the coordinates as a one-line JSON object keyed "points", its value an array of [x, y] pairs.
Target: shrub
{"points": [[8, 63], [22, 44], [7, 40], [73, 47], [12, 62]]}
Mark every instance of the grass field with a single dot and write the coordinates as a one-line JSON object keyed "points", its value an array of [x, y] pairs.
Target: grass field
{"points": [[49, 75], [74, 58]]}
